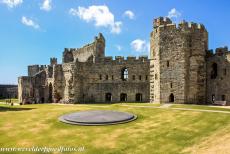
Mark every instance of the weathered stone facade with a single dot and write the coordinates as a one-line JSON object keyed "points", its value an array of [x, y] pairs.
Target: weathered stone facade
{"points": [[8, 91], [181, 69], [181, 65], [86, 75]]}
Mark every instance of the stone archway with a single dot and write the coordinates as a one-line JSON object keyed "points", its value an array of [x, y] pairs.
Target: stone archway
{"points": [[138, 97], [108, 97], [123, 97], [171, 98]]}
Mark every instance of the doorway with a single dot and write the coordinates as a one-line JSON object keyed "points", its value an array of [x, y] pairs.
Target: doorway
{"points": [[123, 97], [171, 98], [108, 97], [138, 97]]}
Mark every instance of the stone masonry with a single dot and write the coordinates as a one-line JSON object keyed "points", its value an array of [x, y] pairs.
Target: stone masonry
{"points": [[181, 69], [87, 76]]}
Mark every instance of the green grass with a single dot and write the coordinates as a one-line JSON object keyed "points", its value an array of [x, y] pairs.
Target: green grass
{"points": [[202, 107], [155, 130]]}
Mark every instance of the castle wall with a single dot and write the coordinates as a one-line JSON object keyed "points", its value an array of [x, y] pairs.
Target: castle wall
{"points": [[8, 91], [95, 49], [104, 76], [24, 88], [218, 86]]}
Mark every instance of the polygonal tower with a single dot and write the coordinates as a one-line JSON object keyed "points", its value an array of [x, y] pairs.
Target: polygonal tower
{"points": [[178, 64]]}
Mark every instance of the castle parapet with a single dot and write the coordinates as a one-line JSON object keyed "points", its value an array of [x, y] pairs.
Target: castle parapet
{"points": [[131, 58], [143, 58], [161, 21], [119, 58], [166, 24], [222, 50]]}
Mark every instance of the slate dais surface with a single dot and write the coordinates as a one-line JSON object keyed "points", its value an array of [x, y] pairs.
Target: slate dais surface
{"points": [[97, 117]]}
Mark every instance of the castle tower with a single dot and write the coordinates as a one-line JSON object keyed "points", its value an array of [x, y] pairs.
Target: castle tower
{"points": [[53, 61], [100, 45], [178, 66]]}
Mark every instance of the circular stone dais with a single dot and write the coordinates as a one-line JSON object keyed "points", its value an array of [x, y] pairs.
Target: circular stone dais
{"points": [[97, 117]]}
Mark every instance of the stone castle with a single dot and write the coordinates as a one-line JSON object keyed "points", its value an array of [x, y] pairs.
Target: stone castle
{"points": [[181, 69]]}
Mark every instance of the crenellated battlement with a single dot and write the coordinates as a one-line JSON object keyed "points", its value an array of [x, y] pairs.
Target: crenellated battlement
{"points": [[161, 21], [34, 69], [166, 24], [121, 59]]}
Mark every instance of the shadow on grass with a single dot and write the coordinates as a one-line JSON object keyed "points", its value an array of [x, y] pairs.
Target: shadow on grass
{"points": [[5, 108]]}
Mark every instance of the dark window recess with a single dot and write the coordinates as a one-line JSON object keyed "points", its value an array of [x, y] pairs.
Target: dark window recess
{"points": [[171, 85], [167, 63], [106, 77], [124, 74], [146, 77], [133, 77], [214, 71], [140, 77], [100, 77], [190, 42], [225, 71], [112, 77]]}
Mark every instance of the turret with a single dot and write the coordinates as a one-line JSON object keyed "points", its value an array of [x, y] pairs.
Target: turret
{"points": [[53, 61]]}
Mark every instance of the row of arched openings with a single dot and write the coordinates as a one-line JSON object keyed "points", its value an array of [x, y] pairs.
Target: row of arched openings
{"points": [[123, 97]]}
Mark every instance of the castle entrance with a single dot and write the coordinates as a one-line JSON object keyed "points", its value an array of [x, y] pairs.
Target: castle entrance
{"points": [[123, 97], [108, 97], [171, 98]]}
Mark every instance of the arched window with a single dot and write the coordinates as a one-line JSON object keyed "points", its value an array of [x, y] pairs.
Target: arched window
{"points": [[124, 74], [214, 71]]}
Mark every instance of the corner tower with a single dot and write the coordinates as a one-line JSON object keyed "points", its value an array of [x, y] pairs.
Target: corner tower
{"points": [[178, 65]]}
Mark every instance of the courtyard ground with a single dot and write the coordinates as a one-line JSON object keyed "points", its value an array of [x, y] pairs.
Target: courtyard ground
{"points": [[158, 129]]}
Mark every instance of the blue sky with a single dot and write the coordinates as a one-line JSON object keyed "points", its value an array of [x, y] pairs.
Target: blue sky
{"points": [[32, 31]]}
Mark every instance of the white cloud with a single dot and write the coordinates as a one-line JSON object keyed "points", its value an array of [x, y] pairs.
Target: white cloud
{"points": [[29, 22], [12, 3], [173, 13], [46, 5], [100, 15], [129, 14], [119, 48], [140, 45]]}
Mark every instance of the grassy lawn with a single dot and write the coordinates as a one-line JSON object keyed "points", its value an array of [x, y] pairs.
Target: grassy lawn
{"points": [[202, 107], [155, 131]]}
